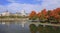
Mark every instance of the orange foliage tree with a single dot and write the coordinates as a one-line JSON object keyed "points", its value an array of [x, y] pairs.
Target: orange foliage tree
{"points": [[43, 14], [57, 14], [54, 15], [50, 14], [32, 15], [39, 15]]}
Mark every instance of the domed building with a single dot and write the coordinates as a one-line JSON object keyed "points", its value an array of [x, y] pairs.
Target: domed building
{"points": [[23, 13]]}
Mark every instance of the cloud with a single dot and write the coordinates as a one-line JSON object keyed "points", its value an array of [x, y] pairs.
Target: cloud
{"points": [[48, 4], [22, 0], [51, 4], [26, 1], [37, 0], [11, 0], [27, 7], [2, 8], [16, 6]]}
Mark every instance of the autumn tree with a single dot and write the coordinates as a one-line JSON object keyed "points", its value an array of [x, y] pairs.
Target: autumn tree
{"points": [[54, 16], [43, 14], [39, 15], [57, 14], [32, 15]]}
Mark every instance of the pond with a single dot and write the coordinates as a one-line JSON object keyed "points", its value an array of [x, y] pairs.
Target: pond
{"points": [[14, 27], [22, 27]]}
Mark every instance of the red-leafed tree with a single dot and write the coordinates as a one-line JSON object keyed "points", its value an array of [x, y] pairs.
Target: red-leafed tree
{"points": [[54, 15], [57, 14], [32, 15], [46, 15], [43, 14], [39, 15]]}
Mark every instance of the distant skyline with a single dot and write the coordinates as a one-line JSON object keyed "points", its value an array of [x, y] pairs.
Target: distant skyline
{"points": [[28, 5]]}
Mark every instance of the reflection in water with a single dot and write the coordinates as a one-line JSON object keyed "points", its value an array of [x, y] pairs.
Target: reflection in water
{"points": [[3, 22], [8, 23], [14, 27]]}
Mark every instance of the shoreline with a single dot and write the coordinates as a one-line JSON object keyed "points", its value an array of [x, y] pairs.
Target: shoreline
{"points": [[13, 19]]}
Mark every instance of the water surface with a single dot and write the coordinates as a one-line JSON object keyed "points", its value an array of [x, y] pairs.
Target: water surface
{"points": [[14, 27]]}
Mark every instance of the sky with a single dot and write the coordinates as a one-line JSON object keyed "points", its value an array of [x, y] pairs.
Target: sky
{"points": [[28, 5]]}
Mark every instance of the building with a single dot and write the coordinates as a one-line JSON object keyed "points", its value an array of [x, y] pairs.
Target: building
{"points": [[22, 13], [5, 13]]}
